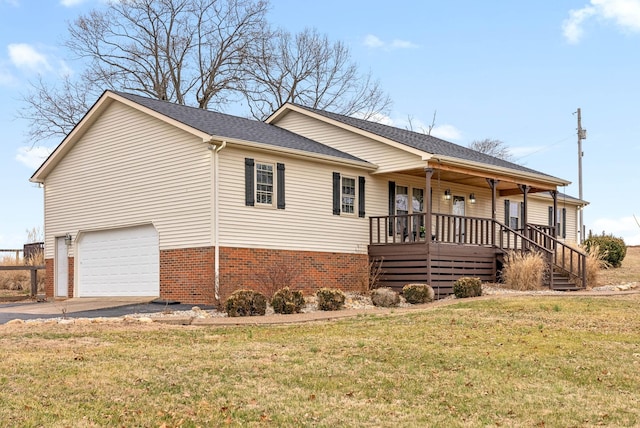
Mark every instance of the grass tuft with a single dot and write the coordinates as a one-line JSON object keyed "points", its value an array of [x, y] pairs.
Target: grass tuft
{"points": [[523, 271]]}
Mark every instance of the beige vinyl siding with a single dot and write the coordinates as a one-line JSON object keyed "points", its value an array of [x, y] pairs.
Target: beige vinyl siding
{"points": [[539, 214], [387, 157], [307, 223], [129, 169]]}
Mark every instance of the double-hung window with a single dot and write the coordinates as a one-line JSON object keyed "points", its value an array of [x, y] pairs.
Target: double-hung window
{"points": [[348, 195], [264, 183]]}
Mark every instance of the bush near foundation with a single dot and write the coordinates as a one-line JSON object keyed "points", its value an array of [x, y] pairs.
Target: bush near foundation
{"points": [[418, 293], [611, 249], [385, 297], [330, 299], [287, 301], [467, 287], [246, 303]]}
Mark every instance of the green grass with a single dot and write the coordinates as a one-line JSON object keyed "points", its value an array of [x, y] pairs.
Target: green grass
{"points": [[529, 361]]}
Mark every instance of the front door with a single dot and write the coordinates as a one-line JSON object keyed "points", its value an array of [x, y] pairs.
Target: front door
{"points": [[458, 210], [61, 269]]}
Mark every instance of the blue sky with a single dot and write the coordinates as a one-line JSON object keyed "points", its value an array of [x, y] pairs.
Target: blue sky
{"points": [[511, 70]]}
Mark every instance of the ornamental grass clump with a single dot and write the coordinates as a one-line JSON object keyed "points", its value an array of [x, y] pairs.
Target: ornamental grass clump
{"points": [[523, 271], [418, 293], [467, 287], [330, 299], [246, 303], [385, 297], [287, 301]]}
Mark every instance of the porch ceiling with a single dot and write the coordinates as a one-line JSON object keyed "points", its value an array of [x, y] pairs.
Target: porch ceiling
{"points": [[507, 185]]}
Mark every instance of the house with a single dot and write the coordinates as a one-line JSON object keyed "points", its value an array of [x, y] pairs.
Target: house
{"points": [[150, 198]]}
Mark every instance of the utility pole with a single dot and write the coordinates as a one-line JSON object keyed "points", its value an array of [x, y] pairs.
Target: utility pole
{"points": [[582, 135]]}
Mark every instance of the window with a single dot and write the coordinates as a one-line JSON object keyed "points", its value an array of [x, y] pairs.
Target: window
{"points": [[561, 222], [513, 214], [347, 193], [261, 187], [264, 183]]}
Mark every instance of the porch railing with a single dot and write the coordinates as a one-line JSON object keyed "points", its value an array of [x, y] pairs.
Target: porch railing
{"points": [[453, 229]]}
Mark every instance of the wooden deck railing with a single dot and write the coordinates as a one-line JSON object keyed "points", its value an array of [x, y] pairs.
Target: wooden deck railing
{"points": [[453, 229], [34, 275]]}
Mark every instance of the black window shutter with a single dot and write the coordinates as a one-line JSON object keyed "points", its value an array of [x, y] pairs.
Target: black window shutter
{"points": [[564, 222], [522, 215], [361, 212], [392, 204], [507, 206], [248, 182], [550, 216], [336, 193], [280, 186]]}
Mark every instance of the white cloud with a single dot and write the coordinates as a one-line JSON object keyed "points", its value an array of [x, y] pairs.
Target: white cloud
{"points": [[14, 3], [624, 13], [625, 227], [374, 42], [71, 3], [33, 156], [26, 56], [446, 132]]}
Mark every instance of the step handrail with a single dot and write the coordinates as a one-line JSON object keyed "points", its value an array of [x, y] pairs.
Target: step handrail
{"points": [[560, 251]]}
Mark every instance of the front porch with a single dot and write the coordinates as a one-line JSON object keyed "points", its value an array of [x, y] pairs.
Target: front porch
{"points": [[437, 249]]}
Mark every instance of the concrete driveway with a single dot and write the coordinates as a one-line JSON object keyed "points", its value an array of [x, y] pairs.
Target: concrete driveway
{"points": [[85, 307]]}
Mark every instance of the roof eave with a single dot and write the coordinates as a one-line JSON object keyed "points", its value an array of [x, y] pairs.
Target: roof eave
{"points": [[501, 170], [296, 153]]}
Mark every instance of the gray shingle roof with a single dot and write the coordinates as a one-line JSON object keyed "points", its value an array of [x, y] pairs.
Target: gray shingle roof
{"points": [[234, 127], [423, 142]]}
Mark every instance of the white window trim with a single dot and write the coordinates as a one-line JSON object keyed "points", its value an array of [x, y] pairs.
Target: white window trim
{"points": [[274, 190], [355, 196]]}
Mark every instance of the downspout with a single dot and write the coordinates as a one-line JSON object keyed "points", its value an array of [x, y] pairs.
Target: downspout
{"points": [[216, 222]]}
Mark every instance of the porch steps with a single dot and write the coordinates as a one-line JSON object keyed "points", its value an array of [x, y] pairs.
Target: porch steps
{"points": [[562, 282]]}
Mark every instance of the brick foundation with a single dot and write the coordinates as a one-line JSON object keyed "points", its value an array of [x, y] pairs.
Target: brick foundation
{"points": [[187, 275], [268, 270]]}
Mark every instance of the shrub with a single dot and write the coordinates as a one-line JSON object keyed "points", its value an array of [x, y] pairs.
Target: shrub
{"points": [[385, 297], [243, 303], [287, 301], [330, 299], [611, 249], [523, 271], [418, 293], [467, 287]]}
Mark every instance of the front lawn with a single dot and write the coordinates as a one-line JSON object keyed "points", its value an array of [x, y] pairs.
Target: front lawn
{"points": [[526, 361]]}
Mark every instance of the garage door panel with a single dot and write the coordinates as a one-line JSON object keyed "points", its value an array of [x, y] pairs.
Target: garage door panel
{"points": [[119, 262]]}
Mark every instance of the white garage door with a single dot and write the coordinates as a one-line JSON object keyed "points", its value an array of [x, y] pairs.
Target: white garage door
{"points": [[119, 262]]}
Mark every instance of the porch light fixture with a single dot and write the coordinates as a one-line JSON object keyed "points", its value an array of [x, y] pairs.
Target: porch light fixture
{"points": [[68, 239], [472, 198], [447, 194]]}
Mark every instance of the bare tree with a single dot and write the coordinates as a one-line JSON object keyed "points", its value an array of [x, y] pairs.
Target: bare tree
{"points": [[492, 147], [190, 52], [203, 53], [422, 129], [308, 69]]}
